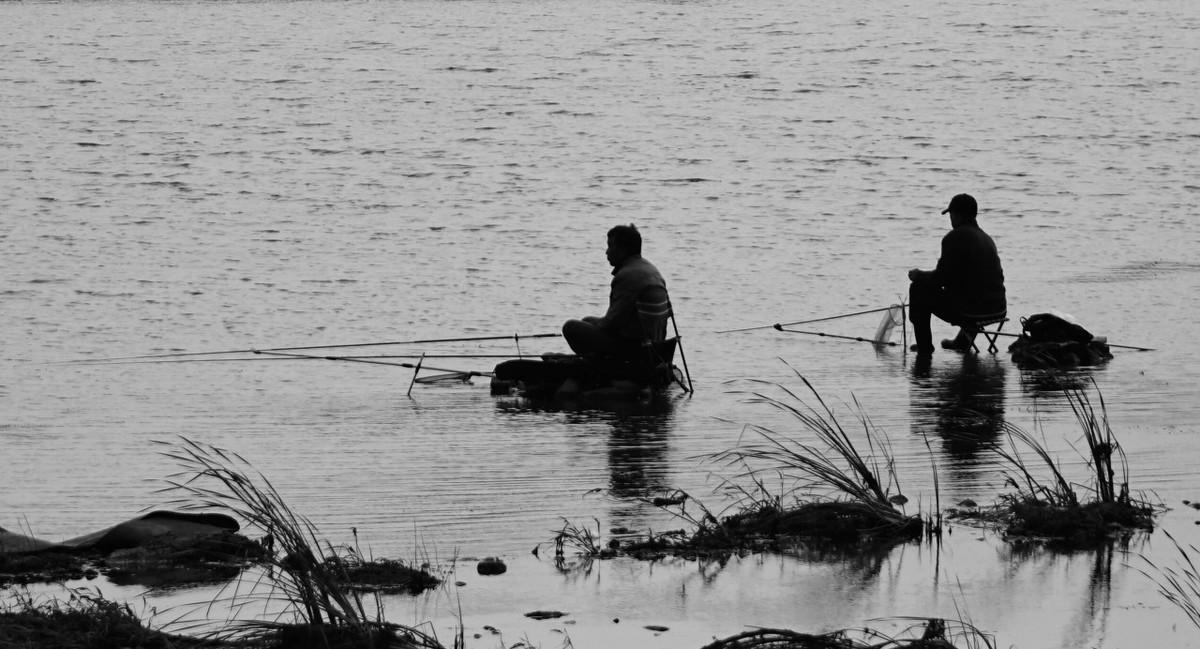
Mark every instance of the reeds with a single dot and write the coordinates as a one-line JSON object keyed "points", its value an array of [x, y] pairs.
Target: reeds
{"points": [[304, 573], [1180, 585], [841, 488], [581, 540], [1057, 507], [84, 620], [856, 473], [839, 467]]}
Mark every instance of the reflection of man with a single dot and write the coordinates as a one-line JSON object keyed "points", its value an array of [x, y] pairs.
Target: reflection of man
{"points": [[966, 286], [619, 331]]}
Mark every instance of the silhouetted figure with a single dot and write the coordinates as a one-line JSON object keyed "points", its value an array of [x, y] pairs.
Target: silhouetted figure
{"points": [[966, 286], [618, 333]]}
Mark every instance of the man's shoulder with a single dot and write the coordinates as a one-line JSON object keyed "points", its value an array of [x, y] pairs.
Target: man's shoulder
{"points": [[637, 265], [638, 269], [969, 232]]}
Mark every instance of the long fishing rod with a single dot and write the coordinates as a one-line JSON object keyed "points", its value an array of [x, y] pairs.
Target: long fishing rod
{"points": [[515, 337], [777, 325], [1010, 335], [259, 359], [352, 359], [826, 335]]}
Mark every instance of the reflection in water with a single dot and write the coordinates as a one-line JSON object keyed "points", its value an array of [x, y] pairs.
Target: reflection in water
{"points": [[637, 452], [1091, 617], [1052, 382], [962, 404], [637, 445]]}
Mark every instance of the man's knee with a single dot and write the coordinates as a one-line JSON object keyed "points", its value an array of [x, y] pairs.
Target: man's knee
{"points": [[574, 328]]}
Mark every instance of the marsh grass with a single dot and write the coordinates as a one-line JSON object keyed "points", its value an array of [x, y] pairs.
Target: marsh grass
{"points": [[841, 490], [85, 620], [309, 577], [1047, 503], [579, 540], [1179, 584], [842, 486]]}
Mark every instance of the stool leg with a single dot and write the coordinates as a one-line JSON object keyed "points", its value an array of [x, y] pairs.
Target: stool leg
{"points": [[992, 348]]}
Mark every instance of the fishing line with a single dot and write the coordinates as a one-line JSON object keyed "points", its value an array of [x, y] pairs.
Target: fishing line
{"points": [[828, 335], [1094, 339], [514, 337], [801, 322]]}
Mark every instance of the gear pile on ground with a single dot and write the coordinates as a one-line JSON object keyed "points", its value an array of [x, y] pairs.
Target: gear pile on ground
{"points": [[1048, 340]]}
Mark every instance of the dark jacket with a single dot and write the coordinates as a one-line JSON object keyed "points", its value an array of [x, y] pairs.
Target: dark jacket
{"points": [[969, 270], [630, 280]]}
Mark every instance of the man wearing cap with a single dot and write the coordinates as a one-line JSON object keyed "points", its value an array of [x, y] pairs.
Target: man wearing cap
{"points": [[966, 286]]}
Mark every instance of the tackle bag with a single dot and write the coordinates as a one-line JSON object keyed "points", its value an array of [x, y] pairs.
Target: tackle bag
{"points": [[1049, 328]]}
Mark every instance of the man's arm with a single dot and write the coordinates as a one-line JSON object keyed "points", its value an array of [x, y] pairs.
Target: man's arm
{"points": [[946, 267], [622, 301]]}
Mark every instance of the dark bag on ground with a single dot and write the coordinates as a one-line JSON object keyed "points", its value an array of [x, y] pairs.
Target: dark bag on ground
{"points": [[1049, 328], [1049, 340]]}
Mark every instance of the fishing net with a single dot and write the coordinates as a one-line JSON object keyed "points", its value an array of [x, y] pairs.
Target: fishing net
{"points": [[893, 317]]}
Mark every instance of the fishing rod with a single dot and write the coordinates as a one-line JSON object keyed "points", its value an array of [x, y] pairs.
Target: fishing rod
{"points": [[352, 359], [259, 359], [779, 327], [801, 322], [1105, 342], [515, 337]]}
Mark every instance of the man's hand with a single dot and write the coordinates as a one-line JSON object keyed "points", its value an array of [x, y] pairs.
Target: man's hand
{"points": [[915, 274]]}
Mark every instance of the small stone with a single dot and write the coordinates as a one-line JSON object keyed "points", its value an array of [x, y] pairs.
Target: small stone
{"points": [[656, 628], [491, 566], [544, 615]]}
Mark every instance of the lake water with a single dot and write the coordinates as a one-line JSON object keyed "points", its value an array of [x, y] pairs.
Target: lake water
{"points": [[196, 176]]}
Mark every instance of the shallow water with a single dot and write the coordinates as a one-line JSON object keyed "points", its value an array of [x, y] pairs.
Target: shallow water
{"points": [[195, 176]]}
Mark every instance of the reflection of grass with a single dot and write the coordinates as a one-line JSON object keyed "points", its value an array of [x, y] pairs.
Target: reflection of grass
{"points": [[1180, 584], [1058, 508], [927, 634], [327, 613]]}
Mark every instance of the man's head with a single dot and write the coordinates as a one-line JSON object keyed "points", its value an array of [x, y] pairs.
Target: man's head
{"points": [[962, 209], [624, 241]]}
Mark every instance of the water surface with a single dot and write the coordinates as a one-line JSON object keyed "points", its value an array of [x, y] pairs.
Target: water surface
{"points": [[192, 176]]}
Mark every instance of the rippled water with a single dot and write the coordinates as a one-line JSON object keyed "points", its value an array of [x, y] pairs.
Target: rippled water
{"points": [[193, 176]]}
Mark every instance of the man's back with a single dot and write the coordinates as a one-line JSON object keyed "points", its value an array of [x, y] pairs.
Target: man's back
{"points": [[970, 270], [630, 280]]}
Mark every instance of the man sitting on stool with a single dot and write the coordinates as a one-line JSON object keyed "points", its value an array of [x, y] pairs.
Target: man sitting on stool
{"points": [[966, 287], [618, 333]]}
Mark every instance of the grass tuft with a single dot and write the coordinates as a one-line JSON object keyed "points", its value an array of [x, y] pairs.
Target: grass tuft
{"points": [[1046, 503], [841, 490], [1179, 584], [307, 575], [841, 487]]}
